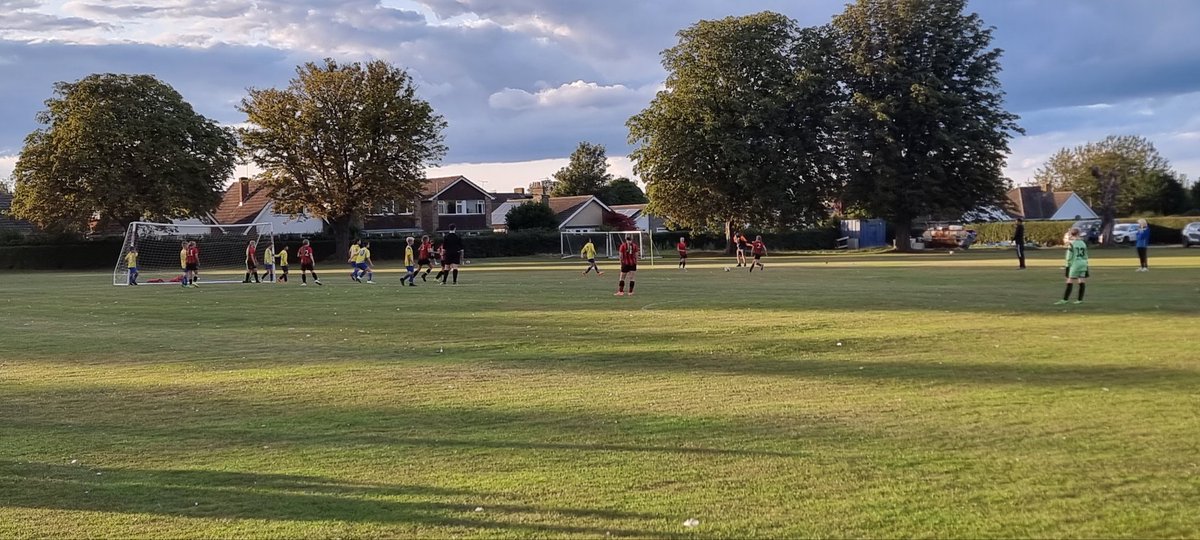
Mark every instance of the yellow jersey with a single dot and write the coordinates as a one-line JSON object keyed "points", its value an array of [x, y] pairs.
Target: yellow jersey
{"points": [[283, 258], [183, 258], [362, 255], [408, 256], [589, 251], [354, 252], [131, 259], [269, 256]]}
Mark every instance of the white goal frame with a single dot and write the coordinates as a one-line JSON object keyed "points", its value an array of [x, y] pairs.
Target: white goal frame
{"points": [[608, 247], [167, 236]]}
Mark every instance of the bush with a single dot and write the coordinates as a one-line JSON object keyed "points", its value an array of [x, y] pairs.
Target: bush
{"points": [[78, 255], [1163, 230]]}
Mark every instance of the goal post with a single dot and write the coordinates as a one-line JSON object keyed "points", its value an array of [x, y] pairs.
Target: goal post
{"points": [[607, 243], [222, 251]]}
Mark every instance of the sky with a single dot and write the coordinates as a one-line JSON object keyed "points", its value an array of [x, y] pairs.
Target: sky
{"points": [[522, 82]]}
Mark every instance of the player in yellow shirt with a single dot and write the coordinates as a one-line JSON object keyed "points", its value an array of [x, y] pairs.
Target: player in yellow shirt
{"points": [[183, 262], [269, 263], [589, 252], [131, 264], [283, 264], [409, 263], [354, 247], [363, 264]]}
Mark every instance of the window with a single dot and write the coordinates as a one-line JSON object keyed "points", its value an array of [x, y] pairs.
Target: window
{"points": [[443, 208], [469, 207], [391, 208]]}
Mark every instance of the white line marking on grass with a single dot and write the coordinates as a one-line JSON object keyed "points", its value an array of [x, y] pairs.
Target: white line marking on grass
{"points": [[648, 306]]}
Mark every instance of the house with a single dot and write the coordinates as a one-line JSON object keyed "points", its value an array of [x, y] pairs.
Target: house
{"points": [[505, 202], [8, 225], [644, 221], [1034, 203], [582, 213], [248, 201], [444, 201]]}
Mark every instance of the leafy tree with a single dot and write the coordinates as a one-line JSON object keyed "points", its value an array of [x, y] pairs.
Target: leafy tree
{"points": [[743, 132], [121, 148], [622, 191], [531, 215], [926, 130], [1141, 173], [1194, 193], [341, 138], [586, 174], [1161, 194]]}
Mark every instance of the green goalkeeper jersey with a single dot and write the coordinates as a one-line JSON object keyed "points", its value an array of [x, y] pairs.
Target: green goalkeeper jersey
{"points": [[1077, 255]]}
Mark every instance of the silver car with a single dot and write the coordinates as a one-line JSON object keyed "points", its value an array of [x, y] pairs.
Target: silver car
{"points": [[1125, 233], [1191, 234]]}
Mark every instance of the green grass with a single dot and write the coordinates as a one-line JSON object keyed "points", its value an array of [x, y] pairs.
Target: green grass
{"points": [[844, 395]]}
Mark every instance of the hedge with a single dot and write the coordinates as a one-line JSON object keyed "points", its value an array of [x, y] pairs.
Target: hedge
{"points": [[1163, 230], [802, 240], [77, 255]]}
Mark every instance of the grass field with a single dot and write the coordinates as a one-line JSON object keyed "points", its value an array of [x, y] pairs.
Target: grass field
{"points": [[879, 396]]}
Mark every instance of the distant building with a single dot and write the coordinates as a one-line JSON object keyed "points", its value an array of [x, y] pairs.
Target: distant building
{"points": [[7, 223], [1035, 204]]}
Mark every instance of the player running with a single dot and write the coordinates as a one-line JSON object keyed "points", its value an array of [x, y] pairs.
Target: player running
{"points": [[589, 253], [742, 244], [131, 264], [305, 253], [629, 258], [192, 268], [758, 249], [408, 263], [424, 253], [682, 247], [354, 247], [251, 262], [363, 264], [283, 264], [1076, 267]]}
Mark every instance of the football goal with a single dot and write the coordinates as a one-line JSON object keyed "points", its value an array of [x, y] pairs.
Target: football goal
{"points": [[222, 251], [607, 243]]}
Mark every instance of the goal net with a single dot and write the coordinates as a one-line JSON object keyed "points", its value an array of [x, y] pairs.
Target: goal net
{"points": [[607, 243], [222, 251]]}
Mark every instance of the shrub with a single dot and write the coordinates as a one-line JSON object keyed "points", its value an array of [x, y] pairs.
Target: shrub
{"points": [[1163, 230]]}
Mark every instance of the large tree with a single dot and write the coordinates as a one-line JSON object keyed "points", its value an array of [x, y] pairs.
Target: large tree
{"points": [[622, 191], [341, 138], [742, 134], [121, 148], [531, 215], [925, 129], [585, 174], [1141, 173]]}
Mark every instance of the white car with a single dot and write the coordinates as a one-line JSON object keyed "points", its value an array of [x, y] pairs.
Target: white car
{"points": [[1191, 234], [1125, 233]]}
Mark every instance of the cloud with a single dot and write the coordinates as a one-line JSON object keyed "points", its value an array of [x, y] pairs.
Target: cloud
{"points": [[576, 94]]}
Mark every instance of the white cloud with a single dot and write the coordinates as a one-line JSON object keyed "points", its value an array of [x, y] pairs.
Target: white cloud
{"points": [[576, 94]]}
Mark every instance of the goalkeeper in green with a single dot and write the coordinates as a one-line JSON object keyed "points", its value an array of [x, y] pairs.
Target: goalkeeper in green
{"points": [[1076, 267]]}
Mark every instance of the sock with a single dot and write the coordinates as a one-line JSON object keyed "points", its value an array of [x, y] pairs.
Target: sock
{"points": [[1067, 294], [256, 277], [621, 286], [315, 278], [631, 286], [455, 272], [1082, 286]]}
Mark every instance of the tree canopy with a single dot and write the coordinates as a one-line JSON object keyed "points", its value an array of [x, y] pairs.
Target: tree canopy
{"points": [[622, 191], [341, 138], [925, 129], [1145, 177], [120, 148], [531, 215], [743, 132], [585, 174]]}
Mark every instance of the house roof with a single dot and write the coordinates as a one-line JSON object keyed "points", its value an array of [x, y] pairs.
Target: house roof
{"points": [[233, 211], [433, 187], [500, 214], [565, 208], [1031, 202], [7, 223], [629, 210]]}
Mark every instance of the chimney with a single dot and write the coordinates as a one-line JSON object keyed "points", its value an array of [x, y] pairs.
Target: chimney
{"points": [[519, 191], [243, 190]]}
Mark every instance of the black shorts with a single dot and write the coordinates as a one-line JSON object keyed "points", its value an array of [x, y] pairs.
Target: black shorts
{"points": [[251, 266], [423, 262], [305, 266], [284, 268], [683, 255], [192, 267], [625, 268], [757, 256], [452, 258]]}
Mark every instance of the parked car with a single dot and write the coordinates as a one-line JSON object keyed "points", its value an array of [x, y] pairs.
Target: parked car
{"points": [[1089, 231], [1191, 234], [1125, 233]]}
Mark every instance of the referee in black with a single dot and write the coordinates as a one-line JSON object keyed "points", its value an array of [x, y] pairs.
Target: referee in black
{"points": [[453, 247], [1019, 240]]}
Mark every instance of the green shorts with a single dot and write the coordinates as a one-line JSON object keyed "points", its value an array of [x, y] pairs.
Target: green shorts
{"points": [[1077, 271]]}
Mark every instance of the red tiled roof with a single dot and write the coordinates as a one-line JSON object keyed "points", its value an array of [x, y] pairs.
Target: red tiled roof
{"points": [[563, 207], [233, 210]]}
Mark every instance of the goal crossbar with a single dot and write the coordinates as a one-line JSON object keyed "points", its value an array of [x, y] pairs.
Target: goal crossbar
{"points": [[223, 252], [607, 243]]}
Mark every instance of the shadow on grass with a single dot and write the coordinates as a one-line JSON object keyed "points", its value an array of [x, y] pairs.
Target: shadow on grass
{"points": [[244, 495]]}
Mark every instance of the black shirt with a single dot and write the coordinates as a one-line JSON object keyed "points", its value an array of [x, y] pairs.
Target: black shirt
{"points": [[452, 243], [1019, 235]]}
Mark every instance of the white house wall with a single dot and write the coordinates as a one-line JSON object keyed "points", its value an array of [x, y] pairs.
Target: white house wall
{"points": [[284, 224], [1074, 208], [590, 217]]}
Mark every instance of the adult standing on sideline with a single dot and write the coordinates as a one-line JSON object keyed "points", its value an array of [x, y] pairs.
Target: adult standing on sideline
{"points": [[453, 248], [1019, 241], [1143, 244]]}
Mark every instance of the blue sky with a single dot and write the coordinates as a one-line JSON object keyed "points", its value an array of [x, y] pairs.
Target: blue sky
{"points": [[521, 82]]}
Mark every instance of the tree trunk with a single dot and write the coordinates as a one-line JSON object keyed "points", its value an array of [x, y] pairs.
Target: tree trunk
{"points": [[1107, 219], [729, 236], [903, 235], [341, 235]]}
